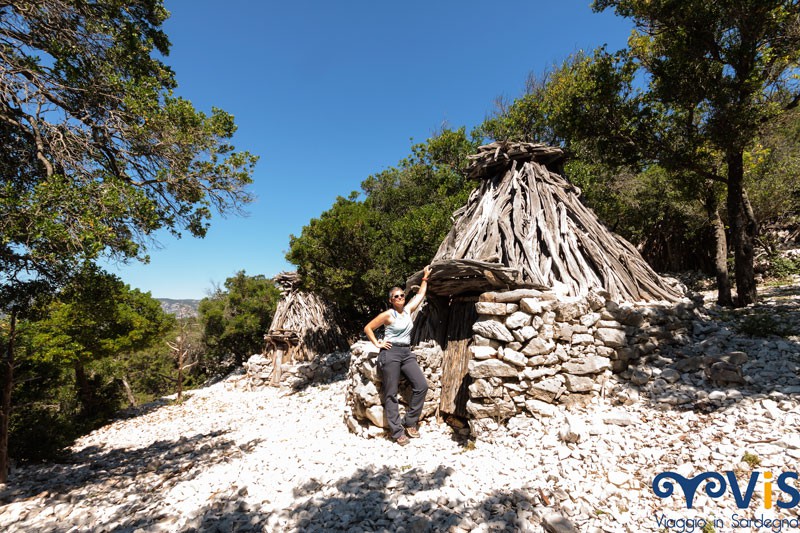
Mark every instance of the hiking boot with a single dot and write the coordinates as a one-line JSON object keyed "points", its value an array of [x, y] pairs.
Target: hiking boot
{"points": [[413, 433]]}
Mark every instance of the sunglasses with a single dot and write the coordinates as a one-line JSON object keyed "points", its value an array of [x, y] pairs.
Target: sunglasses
{"points": [[398, 296]]}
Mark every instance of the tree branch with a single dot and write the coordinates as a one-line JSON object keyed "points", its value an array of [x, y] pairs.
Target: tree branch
{"points": [[794, 103]]}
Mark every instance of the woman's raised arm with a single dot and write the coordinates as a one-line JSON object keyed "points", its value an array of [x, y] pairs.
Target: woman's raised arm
{"points": [[423, 288]]}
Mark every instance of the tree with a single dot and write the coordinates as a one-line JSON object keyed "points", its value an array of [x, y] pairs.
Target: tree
{"points": [[182, 350], [589, 106], [721, 70], [235, 320], [18, 304], [337, 256], [94, 321], [72, 358], [97, 153], [151, 373], [772, 168], [595, 102], [355, 251], [524, 119], [697, 87]]}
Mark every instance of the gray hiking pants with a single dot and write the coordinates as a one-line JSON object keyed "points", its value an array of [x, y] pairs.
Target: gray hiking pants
{"points": [[393, 362]]}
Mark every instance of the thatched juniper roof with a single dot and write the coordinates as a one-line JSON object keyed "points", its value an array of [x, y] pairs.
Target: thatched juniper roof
{"points": [[524, 226], [314, 321]]}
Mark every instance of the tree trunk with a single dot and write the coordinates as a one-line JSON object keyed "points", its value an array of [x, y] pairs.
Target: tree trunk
{"points": [[5, 408], [128, 391], [455, 363], [180, 369], [743, 230], [85, 394], [721, 249]]}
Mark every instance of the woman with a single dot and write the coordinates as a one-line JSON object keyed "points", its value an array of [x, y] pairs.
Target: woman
{"points": [[395, 357]]}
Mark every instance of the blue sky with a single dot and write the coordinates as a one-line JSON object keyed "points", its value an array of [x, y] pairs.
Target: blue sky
{"points": [[328, 93]]}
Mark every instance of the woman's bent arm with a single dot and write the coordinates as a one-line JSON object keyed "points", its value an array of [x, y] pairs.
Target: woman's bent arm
{"points": [[380, 320]]}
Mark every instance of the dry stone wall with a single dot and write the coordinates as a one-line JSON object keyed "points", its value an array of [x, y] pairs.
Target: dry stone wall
{"points": [[364, 410], [326, 367], [534, 350], [531, 352]]}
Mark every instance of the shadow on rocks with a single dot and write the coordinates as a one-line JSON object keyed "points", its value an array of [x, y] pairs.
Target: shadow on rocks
{"points": [[412, 500], [141, 410], [141, 473], [725, 356], [376, 499], [158, 403]]}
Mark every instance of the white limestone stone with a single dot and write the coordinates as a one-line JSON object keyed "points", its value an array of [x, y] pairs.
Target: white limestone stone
{"points": [[492, 329], [515, 358], [517, 320], [483, 352], [491, 368]]}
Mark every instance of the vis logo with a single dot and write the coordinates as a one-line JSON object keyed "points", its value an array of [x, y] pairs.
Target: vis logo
{"points": [[718, 484]]}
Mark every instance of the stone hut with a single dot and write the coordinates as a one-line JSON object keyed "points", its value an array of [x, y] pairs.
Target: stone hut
{"points": [[303, 328], [314, 321], [532, 302]]}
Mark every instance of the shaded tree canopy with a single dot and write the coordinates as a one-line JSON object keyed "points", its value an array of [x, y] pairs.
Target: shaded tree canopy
{"points": [[97, 151], [73, 354], [716, 73], [355, 251], [588, 106], [96, 316], [694, 95], [235, 319]]}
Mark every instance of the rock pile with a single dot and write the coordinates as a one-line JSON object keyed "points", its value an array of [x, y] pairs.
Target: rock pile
{"points": [[322, 368], [719, 360], [364, 410], [533, 349]]}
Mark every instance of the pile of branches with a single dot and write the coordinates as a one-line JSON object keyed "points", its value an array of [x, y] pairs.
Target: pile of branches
{"points": [[525, 226], [314, 322]]}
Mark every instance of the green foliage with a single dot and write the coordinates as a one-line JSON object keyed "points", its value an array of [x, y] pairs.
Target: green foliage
{"points": [[783, 267], [589, 106], [335, 254], [524, 119], [97, 155], [98, 316], [152, 372], [751, 459], [40, 432], [771, 171], [235, 320], [97, 152], [43, 422], [355, 251], [586, 105], [71, 357], [705, 93], [717, 73], [716, 58]]}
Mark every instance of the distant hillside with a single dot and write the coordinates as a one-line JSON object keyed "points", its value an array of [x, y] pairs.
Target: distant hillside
{"points": [[179, 308]]}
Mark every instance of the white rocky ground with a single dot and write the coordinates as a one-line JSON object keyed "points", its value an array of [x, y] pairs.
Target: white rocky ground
{"points": [[232, 459]]}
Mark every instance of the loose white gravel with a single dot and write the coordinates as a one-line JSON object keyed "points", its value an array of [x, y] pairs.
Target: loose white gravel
{"points": [[232, 459]]}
